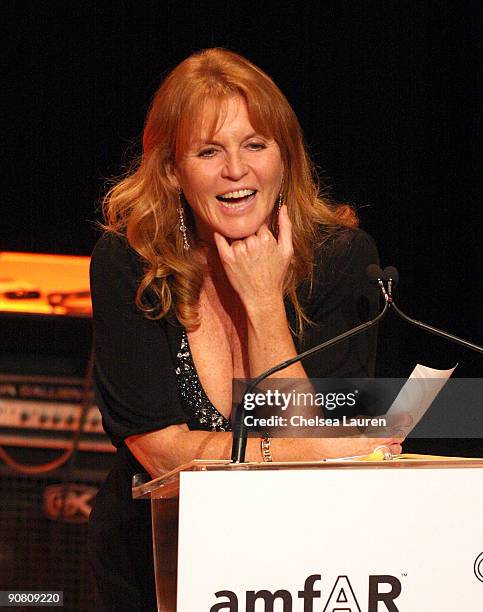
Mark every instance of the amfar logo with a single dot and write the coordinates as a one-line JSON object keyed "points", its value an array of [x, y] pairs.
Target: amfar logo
{"points": [[341, 598]]}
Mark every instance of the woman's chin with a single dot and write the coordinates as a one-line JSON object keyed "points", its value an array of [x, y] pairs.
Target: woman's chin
{"points": [[230, 232], [239, 231], [233, 235]]}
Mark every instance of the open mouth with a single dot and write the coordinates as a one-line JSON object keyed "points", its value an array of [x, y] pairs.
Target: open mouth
{"points": [[235, 199]]}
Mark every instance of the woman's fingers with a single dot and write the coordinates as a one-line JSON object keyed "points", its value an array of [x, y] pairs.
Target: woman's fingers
{"points": [[396, 426], [256, 266], [265, 235], [224, 249], [285, 232], [252, 244], [333, 448]]}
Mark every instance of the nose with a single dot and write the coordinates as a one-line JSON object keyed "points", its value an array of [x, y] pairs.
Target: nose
{"points": [[234, 167]]}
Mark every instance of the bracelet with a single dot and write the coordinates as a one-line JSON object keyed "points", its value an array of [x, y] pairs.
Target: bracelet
{"points": [[265, 448]]}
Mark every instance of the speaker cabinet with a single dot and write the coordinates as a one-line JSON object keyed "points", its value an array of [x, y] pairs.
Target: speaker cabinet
{"points": [[43, 531]]}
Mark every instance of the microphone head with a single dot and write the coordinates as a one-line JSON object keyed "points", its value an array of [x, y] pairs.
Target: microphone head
{"points": [[391, 273], [374, 273]]}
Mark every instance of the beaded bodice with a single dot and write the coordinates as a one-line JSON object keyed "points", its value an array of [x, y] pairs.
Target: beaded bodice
{"points": [[192, 393]]}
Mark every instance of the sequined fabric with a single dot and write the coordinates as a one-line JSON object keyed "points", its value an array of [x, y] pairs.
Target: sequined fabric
{"points": [[192, 393]]}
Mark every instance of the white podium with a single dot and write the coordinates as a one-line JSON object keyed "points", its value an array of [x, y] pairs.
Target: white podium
{"points": [[393, 536]]}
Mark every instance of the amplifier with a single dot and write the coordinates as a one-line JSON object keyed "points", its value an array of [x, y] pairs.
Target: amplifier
{"points": [[45, 411], [44, 516], [45, 332], [43, 527]]}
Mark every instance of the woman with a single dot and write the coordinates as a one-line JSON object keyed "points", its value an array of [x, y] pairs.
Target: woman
{"points": [[220, 261]]}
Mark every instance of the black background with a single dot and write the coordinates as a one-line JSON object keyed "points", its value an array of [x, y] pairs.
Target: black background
{"points": [[386, 93]]}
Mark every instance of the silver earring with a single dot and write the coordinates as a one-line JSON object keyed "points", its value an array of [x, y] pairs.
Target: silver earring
{"points": [[280, 202], [182, 226]]}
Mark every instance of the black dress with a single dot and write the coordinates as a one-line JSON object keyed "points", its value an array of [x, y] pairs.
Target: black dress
{"points": [[146, 380]]}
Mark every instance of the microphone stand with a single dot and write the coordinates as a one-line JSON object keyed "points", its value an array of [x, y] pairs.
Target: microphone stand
{"points": [[239, 430], [434, 330], [391, 275]]}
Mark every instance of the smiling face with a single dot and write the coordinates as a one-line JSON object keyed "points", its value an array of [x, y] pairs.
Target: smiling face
{"points": [[232, 178]]}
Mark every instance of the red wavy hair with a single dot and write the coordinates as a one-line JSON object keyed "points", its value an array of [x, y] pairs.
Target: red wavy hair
{"points": [[143, 204]]}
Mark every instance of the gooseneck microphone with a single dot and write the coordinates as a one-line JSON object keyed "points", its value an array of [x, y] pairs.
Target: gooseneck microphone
{"points": [[386, 280]]}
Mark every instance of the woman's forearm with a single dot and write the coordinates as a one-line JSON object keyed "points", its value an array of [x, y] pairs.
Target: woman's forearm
{"points": [[163, 450]]}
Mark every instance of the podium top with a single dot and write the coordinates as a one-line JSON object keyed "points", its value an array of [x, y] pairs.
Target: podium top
{"points": [[167, 486]]}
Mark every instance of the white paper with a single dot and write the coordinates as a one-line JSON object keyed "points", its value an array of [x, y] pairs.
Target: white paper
{"points": [[418, 393]]}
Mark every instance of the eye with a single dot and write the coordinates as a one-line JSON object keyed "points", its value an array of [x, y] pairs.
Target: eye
{"points": [[256, 146], [208, 152]]}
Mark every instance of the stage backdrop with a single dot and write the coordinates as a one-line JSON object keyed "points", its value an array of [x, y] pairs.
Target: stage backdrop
{"points": [[385, 92]]}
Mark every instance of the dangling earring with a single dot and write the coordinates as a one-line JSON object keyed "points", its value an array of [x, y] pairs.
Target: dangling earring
{"points": [[182, 226], [280, 202]]}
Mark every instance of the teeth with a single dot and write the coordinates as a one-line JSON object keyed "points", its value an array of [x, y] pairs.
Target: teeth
{"points": [[238, 194], [236, 205]]}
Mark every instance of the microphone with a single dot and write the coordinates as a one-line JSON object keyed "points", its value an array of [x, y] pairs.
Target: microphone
{"points": [[391, 276], [376, 277], [239, 431], [374, 274]]}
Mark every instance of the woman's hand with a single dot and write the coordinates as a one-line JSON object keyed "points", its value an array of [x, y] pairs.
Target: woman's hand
{"points": [[333, 448], [256, 266]]}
